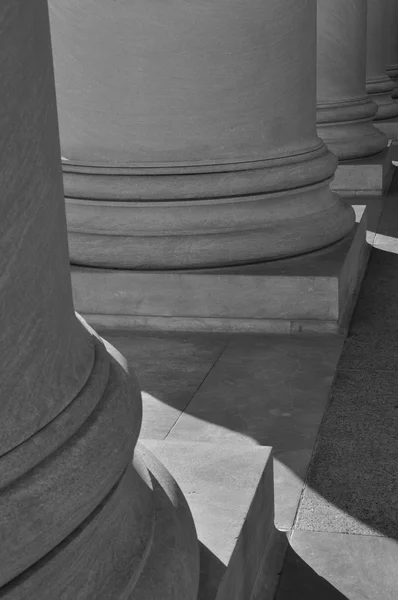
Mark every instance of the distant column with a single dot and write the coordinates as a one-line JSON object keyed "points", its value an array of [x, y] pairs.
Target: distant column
{"points": [[188, 131], [345, 111], [392, 46], [378, 83], [79, 517]]}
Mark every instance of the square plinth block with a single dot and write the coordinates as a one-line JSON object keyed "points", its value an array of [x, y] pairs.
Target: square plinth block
{"points": [[371, 175], [389, 127], [311, 293], [229, 490]]}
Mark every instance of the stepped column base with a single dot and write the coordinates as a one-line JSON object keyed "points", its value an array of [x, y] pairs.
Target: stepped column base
{"points": [[111, 542], [215, 162], [313, 293], [378, 84], [204, 218], [344, 111], [392, 72], [365, 176], [380, 90], [350, 138]]}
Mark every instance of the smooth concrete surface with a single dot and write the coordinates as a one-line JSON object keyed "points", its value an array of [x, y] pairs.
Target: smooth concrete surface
{"points": [[371, 175], [260, 390], [330, 566], [344, 110], [307, 293], [216, 162], [230, 493], [171, 370]]}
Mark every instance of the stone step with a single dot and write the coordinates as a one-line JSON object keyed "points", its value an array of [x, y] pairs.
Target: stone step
{"points": [[230, 492]]}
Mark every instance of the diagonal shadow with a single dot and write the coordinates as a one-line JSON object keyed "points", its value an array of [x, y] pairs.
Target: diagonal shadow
{"points": [[352, 483], [298, 582]]}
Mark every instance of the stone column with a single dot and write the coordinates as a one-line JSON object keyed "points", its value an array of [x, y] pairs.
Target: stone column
{"points": [[392, 46], [345, 111], [78, 519], [188, 132], [378, 83]]}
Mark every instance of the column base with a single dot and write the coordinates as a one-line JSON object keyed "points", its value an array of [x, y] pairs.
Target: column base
{"points": [[103, 524], [310, 293], [241, 551], [389, 127], [371, 175]]}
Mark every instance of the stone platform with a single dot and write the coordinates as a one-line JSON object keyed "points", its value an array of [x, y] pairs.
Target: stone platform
{"points": [[389, 127], [371, 175], [230, 492], [310, 293]]}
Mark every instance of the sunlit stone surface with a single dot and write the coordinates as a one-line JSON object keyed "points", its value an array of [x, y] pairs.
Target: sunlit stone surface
{"points": [[188, 132]]}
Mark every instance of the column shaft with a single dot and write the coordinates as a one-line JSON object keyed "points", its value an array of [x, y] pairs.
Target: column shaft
{"points": [[392, 46], [78, 518], [188, 132], [344, 110], [378, 83]]}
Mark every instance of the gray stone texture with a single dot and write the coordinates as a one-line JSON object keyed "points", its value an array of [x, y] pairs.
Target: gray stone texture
{"points": [[216, 161], [79, 517], [344, 111]]}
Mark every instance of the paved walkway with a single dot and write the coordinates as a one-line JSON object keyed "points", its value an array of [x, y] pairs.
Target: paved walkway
{"points": [[273, 391], [345, 537]]}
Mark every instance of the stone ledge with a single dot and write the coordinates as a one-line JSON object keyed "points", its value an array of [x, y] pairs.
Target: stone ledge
{"points": [[389, 127], [229, 490], [310, 293], [371, 175]]}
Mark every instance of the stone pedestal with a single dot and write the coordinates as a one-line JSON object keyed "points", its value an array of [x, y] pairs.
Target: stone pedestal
{"points": [[310, 293], [188, 133], [78, 517], [366, 176], [344, 110], [378, 83]]}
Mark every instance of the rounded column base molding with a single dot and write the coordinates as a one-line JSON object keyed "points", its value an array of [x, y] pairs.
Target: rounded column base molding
{"points": [[380, 91], [102, 524], [271, 210], [143, 526], [347, 129], [378, 84], [392, 72]]}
